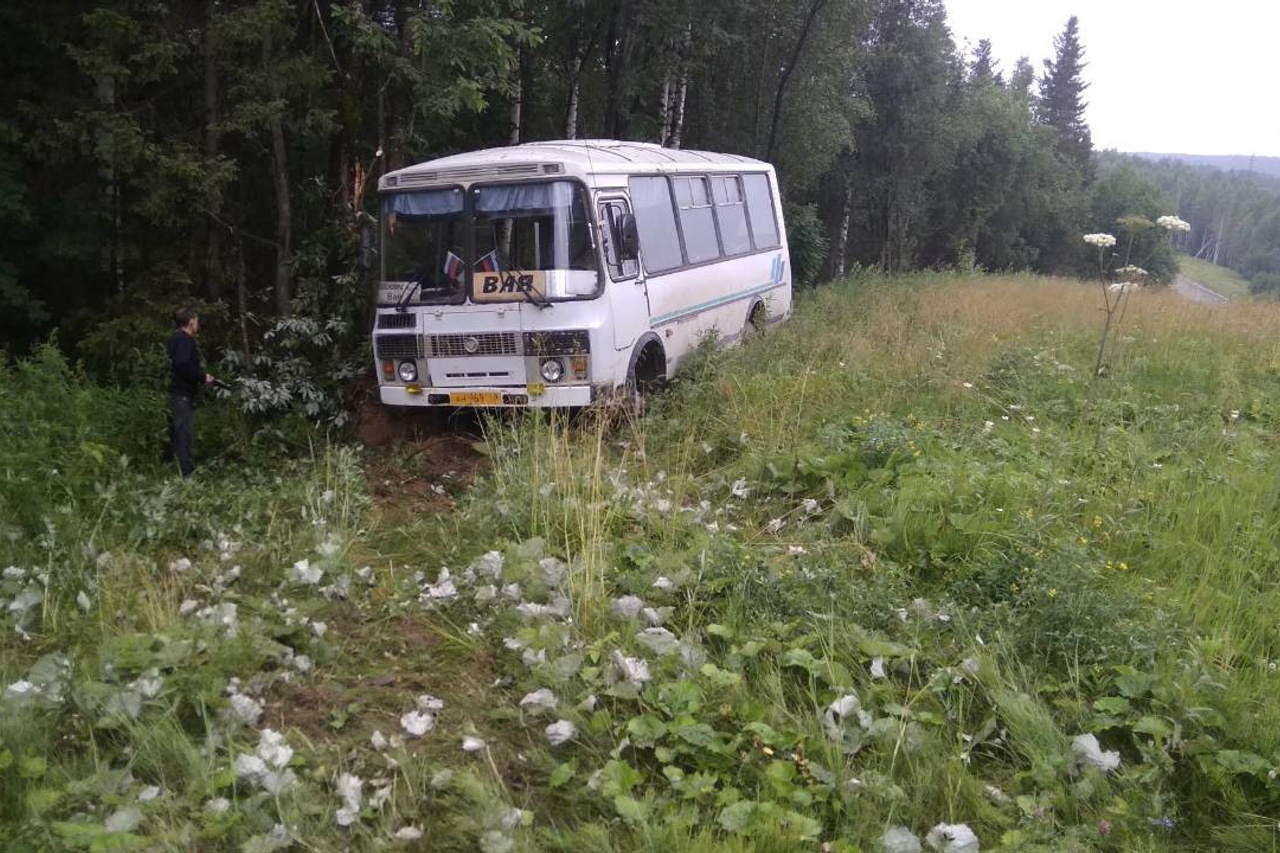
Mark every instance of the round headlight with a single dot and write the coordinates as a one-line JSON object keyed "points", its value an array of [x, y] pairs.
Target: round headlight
{"points": [[408, 371], [552, 370]]}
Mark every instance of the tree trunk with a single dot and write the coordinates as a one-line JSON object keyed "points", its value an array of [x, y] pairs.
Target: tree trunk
{"points": [[814, 8], [213, 200], [842, 243], [665, 133], [517, 100], [571, 114], [284, 206], [677, 121], [764, 65]]}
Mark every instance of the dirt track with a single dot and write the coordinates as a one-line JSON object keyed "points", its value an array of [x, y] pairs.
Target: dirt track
{"points": [[1197, 292]]}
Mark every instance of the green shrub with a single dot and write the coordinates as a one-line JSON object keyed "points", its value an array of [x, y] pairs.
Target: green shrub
{"points": [[806, 242]]}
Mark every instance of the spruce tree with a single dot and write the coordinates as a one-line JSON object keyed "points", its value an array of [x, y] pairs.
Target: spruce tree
{"points": [[983, 70], [1062, 101]]}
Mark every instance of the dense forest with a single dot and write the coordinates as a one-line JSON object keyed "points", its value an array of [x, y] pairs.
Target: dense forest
{"points": [[1234, 215], [223, 152]]}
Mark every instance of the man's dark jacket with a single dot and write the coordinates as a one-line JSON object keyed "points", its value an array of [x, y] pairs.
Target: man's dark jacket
{"points": [[184, 363]]}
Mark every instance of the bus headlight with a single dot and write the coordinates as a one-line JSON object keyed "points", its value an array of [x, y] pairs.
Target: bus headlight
{"points": [[408, 371], [552, 370]]}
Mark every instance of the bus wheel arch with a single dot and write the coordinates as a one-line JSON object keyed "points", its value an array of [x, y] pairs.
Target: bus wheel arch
{"points": [[648, 367], [757, 318]]}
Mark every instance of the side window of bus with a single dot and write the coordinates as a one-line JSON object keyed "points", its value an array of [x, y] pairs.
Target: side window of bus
{"points": [[610, 211], [764, 223], [656, 221], [697, 222], [731, 211]]}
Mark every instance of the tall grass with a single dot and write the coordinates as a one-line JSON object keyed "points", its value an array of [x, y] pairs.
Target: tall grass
{"points": [[897, 495]]}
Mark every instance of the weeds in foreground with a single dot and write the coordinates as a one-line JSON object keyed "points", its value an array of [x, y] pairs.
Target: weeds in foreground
{"points": [[888, 589]]}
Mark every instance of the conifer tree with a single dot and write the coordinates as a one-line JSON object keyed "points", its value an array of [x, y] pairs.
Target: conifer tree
{"points": [[1062, 101], [983, 70]]}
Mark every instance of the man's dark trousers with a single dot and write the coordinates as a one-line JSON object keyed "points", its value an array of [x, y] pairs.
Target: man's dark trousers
{"points": [[180, 427]]}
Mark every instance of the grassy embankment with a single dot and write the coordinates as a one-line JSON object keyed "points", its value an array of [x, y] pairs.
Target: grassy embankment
{"points": [[1220, 279], [891, 571]]}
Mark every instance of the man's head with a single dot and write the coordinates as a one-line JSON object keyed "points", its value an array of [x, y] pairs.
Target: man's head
{"points": [[187, 320]]}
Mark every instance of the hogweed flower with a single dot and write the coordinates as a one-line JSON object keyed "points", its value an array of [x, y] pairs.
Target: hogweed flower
{"points": [[1173, 223], [1102, 241], [1124, 287]]}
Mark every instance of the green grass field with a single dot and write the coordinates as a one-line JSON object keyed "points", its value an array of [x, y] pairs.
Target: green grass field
{"points": [[1221, 279], [882, 573]]}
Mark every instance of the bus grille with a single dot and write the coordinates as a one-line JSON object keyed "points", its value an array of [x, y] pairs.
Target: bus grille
{"points": [[396, 346], [397, 321], [568, 342], [485, 343]]}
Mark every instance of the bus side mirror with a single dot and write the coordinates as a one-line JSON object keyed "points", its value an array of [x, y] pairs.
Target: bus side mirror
{"points": [[628, 237], [367, 251]]}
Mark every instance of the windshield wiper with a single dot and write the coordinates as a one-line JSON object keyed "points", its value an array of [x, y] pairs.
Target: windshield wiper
{"points": [[542, 303], [408, 294]]}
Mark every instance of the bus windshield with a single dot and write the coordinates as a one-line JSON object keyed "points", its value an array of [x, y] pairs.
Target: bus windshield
{"points": [[533, 238], [423, 239]]}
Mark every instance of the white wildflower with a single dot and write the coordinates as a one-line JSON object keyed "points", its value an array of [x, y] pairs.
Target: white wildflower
{"points": [[628, 606], [273, 749], [20, 689], [589, 704], [125, 819], [427, 702], [250, 767], [665, 584], [533, 657], [774, 525], [656, 615], [1102, 241], [1131, 272], [899, 839], [328, 548], [187, 606], [489, 563], [512, 592], [408, 833], [539, 701], [25, 600], [633, 670], [969, 386], [181, 564], [796, 550], [217, 805], [1124, 287], [417, 723], [148, 793], [987, 426], [952, 838], [378, 740], [349, 787], [877, 667], [442, 589], [839, 712], [305, 573], [319, 628], [83, 602], [1173, 223], [561, 732], [659, 640], [809, 506], [1087, 750], [245, 710], [13, 573], [470, 743]]}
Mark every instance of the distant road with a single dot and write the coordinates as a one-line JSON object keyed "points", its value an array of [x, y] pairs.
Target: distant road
{"points": [[1197, 292]]}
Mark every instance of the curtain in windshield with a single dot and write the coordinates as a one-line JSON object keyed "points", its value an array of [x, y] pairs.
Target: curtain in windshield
{"points": [[537, 228], [423, 240]]}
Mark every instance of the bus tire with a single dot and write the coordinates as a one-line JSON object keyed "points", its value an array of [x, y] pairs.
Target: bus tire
{"points": [[645, 373], [757, 317]]}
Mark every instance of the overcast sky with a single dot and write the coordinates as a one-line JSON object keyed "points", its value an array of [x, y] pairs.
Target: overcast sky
{"points": [[1177, 77]]}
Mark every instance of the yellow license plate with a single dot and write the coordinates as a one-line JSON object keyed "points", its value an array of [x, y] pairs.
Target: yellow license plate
{"points": [[475, 398]]}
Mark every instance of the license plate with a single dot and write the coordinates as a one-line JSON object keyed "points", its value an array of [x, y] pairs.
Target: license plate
{"points": [[475, 398]]}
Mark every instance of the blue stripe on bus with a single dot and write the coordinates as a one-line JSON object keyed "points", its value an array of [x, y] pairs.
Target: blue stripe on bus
{"points": [[717, 302]]}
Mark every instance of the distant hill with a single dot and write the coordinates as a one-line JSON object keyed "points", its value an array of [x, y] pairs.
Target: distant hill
{"points": [[1228, 162]]}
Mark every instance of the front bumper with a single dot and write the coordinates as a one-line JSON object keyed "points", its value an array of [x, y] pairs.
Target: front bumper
{"points": [[555, 397]]}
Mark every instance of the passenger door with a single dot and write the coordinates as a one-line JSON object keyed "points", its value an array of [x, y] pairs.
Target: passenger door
{"points": [[627, 294]]}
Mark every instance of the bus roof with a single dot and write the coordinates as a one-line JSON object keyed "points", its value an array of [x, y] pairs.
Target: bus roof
{"points": [[568, 156]]}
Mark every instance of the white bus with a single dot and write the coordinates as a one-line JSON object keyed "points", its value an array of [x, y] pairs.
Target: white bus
{"points": [[554, 274]]}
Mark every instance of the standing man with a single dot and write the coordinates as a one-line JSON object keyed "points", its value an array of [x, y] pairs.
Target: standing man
{"points": [[188, 376]]}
